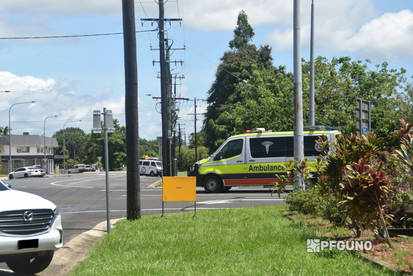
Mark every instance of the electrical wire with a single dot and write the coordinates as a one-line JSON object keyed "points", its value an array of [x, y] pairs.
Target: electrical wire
{"points": [[143, 9], [69, 36]]}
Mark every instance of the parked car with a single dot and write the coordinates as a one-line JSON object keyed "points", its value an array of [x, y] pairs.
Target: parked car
{"points": [[26, 172], [30, 230], [150, 167], [78, 168], [89, 168]]}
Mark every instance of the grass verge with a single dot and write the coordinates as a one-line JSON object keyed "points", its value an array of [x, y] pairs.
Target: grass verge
{"points": [[249, 241]]}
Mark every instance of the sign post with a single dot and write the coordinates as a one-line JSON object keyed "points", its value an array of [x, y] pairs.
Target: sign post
{"points": [[178, 188], [364, 117], [107, 127]]}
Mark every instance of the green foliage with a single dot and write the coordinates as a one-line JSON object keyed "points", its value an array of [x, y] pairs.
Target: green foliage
{"points": [[243, 33], [188, 156], [148, 148], [250, 92], [70, 163], [75, 142]]}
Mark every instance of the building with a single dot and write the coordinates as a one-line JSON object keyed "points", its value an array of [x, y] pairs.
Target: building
{"points": [[27, 150]]}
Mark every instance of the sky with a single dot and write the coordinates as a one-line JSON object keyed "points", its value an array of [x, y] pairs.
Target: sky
{"points": [[71, 77]]}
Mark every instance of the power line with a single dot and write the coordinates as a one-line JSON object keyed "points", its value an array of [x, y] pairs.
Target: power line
{"points": [[143, 9], [69, 36]]}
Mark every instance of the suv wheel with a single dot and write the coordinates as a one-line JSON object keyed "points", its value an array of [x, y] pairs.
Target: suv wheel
{"points": [[11, 176], [31, 264], [213, 184]]}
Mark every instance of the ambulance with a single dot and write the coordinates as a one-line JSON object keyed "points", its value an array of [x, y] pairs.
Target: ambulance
{"points": [[255, 158]]}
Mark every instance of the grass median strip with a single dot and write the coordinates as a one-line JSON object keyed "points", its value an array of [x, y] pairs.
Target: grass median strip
{"points": [[248, 241]]}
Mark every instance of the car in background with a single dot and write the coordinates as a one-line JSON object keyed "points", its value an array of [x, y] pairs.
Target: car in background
{"points": [[27, 172], [78, 168], [30, 230], [150, 167], [89, 168]]}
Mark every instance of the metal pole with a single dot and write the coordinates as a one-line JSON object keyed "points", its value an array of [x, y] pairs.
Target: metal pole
{"points": [[360, 102], [164, 95], [131, 111], [64, 151], [10, 161], [312, 101], [196, 141], [44, 144], [105, 133], [299, 128]]}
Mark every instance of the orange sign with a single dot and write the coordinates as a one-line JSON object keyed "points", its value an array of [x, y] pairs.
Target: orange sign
{"points": [[179, 188]]}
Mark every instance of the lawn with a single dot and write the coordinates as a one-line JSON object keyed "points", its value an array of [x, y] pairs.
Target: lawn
{"points": [[249, 241]]}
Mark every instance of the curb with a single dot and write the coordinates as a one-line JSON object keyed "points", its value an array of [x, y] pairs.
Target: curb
{"points": [[155, 184], [76, 250]]}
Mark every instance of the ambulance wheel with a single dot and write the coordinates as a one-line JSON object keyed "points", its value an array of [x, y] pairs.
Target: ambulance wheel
{"points": [[213, 184]]}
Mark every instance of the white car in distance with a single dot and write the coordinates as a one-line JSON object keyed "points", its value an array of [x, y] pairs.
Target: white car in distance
{"points": [[27, 171], [30, 230]]}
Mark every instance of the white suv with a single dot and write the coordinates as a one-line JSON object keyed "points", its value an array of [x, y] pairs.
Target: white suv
{"points": [[150, 167], [30, 230]]}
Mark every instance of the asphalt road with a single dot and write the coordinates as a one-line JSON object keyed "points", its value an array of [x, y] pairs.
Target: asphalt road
{"points": [[82, 203]]}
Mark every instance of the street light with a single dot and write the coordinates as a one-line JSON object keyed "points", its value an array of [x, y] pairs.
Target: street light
{"points": [[9, 130], [44, 140], [64, 142]]}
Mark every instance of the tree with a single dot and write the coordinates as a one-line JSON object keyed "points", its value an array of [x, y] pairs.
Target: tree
{"points": [[75, 140], [243, 33], [242, 72]]}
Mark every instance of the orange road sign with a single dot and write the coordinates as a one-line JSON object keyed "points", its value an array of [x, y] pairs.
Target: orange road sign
{"points": [[179, 188]]}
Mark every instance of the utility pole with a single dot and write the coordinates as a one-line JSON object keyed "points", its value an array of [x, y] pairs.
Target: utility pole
{"points": [[312, 102], [179, 143], [196, 141], [164, 86], [298, 114], [133, 200]]}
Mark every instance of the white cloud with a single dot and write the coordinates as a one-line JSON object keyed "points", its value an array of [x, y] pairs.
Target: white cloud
{"points": [[335, 22], [52, 97], [389, 36], [66, 7]]}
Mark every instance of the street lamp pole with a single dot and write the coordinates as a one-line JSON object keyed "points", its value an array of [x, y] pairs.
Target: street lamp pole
{"points": [[9, 131], [44, 140], [64, 142]]}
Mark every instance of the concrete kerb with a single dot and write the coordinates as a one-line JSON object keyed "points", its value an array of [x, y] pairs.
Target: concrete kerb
{"points": [[155, 184], [76, 250]]}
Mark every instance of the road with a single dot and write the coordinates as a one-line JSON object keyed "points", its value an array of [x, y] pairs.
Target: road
{"points": [[82, 204]]}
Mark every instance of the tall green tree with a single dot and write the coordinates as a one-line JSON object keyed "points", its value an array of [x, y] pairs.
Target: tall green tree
{"points": [[243, 33], [244, 77], [75, 142]]}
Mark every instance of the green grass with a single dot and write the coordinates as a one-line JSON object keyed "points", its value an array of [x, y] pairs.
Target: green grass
{"points": [[250, 241], [183, 173]]}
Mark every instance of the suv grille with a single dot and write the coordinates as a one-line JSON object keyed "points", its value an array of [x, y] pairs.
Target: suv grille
{"points": [[26, 222]]}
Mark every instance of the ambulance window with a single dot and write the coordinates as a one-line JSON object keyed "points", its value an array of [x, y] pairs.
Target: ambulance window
{"points": [[272, 147], [153, 164], [146, 163], [231, 149], [310, 148]]}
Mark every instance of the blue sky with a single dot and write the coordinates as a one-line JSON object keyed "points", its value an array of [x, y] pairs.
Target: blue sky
{"points": [[72, 77]]}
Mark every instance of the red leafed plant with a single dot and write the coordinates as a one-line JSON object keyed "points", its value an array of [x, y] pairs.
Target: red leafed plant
{"points": [[365, 189]]}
